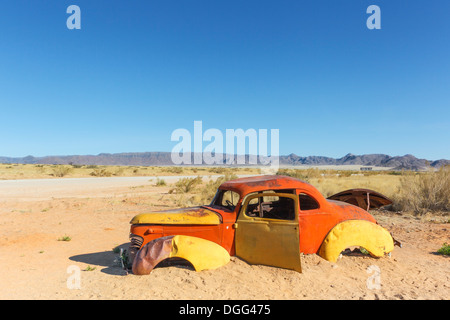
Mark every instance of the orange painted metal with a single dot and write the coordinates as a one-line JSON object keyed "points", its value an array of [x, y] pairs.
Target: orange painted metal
{"points": [[244, 186], [314, 224], [208, 232]]}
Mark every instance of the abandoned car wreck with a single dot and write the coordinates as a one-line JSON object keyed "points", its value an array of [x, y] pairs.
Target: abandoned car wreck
{"points": [[266, 220]]}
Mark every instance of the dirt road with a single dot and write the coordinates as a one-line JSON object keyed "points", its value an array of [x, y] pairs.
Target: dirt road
{"points": [[45, 189]]}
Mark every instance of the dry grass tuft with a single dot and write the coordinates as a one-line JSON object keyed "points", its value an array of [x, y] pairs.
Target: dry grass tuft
{"points": [[61, 171], [186, 185], [424, 192], [193, 192]]}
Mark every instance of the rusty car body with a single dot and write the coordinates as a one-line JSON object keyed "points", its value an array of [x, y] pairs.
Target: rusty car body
{"points": [[266, 220]]}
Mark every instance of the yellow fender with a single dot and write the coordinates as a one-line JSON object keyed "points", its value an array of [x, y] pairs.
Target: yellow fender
{"points": [[202, 254], [372, 237]]}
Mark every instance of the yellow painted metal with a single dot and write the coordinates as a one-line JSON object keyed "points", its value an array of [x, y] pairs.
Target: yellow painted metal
{"points": [[180, 216], [372, 237], [202, 254], [266, 241]]}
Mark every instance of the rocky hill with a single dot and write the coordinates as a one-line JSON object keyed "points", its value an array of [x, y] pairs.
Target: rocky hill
{"points": [[407, 162]]}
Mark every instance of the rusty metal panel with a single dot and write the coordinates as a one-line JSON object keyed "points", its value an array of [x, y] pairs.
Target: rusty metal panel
{"points": [[151, 254], [202, 254], [188, 216], [363, 198]]}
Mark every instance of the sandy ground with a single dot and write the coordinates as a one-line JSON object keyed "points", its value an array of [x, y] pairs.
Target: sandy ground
{"points": [[95, 214]]}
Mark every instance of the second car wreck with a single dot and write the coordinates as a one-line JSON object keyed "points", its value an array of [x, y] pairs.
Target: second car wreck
{"points": [[266, 220]]}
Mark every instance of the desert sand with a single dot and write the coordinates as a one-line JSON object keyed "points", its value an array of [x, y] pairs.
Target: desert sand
{"points": [[94, 213]]}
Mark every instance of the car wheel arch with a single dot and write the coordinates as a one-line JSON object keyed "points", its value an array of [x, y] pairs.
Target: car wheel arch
{"points": [[202, 254], [371, 236]]}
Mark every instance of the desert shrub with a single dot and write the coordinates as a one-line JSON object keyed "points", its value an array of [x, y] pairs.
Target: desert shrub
{"points": [[186, 185], [423, 192], [344, 173], [89, 268], [183, 201], [221, 170], [100, 172], [60, 171], [445, 249], [64, 238], [295, 173], [119, 171], [210, 189], [302, 174], [160, 182], [173, 169], [198, 196]]}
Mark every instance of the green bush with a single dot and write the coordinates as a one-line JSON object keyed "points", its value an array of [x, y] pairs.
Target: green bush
{"points": [[445, 250]]}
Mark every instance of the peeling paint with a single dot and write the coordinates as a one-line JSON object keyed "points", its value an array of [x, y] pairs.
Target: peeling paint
{"points": [[194, 215], [201, 253]]}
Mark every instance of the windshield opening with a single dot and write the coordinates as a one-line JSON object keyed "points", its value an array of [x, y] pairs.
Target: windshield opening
{"points": [[226, 199]]}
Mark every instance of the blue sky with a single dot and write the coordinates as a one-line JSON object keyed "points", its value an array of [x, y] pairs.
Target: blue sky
{"points": [[138, 70]]}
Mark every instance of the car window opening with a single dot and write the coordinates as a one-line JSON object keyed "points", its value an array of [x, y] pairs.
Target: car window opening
{"points": [[271, 207], [307, 202], [226, 199]]}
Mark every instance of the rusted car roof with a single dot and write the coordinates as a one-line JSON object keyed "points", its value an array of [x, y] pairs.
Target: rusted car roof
{"points": [[247, 185]]}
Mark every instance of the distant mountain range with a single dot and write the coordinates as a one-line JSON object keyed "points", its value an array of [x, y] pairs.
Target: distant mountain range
{"points": [[406, 162]]}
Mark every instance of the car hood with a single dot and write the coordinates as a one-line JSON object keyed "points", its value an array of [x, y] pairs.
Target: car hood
{"points": [[189, 216]]}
